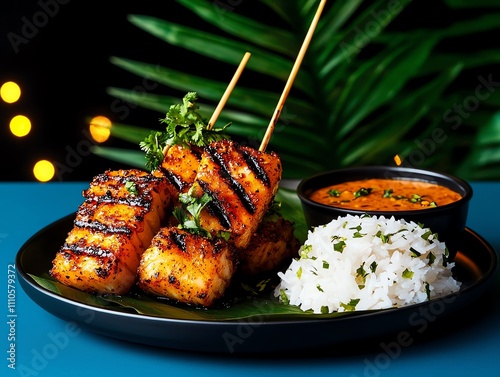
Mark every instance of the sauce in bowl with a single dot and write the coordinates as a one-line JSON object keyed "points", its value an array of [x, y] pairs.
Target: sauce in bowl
{"points": [[379, 194]]}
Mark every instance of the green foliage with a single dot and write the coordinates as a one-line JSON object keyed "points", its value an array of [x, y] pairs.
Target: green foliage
{"points": [[189, 214], [184, 126], [369, 87]]}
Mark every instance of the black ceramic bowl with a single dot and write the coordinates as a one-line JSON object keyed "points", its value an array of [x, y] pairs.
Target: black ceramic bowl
{"points": [[448, 221]]}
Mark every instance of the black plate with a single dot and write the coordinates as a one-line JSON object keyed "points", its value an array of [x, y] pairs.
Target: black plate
{"points": [[475, 267]]}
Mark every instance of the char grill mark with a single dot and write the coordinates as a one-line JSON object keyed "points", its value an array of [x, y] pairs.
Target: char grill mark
{"points": [[180, 240], [235, 185], [178, 183], [120, 180], [87, 250], [257, 169], [96, 226], [93, 203], [136, 201], [215, 207]]}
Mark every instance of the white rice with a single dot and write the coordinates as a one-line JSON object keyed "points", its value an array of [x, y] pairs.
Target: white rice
{"points": [[384, 263]]}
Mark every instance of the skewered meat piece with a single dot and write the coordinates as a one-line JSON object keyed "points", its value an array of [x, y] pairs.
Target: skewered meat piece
{"points": [[180, 166], [121, 213], [241, 182], [185, 267], [273, 245]]}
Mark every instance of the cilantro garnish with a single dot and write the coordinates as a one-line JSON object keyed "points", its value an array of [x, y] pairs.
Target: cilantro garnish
{"points": [[361, 276], [304, 250], [153, 145], [131, 187], [414, 253], [339, 246], [188, 214], [334, 192], [184, 126], [351, 305], [362, 192], [387, 193], [407, 274]]}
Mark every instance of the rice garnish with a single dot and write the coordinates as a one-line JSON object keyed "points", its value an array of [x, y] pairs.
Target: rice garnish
{"points": [[367, 262]]}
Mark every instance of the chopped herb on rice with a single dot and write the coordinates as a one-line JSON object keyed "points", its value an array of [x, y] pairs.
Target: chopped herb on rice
{"points": [[364, 263]]}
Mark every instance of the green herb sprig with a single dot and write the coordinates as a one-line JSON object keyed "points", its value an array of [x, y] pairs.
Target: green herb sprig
{"points": [[153, 145], [184, 126], [188, 214]]}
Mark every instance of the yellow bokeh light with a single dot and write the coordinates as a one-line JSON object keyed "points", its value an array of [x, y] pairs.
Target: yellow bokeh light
{"points": [[44, 170], [100, 128], [20, 125], [10, 92]]}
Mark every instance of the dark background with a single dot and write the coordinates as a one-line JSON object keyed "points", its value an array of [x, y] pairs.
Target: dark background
{"points": [[63, 68]]}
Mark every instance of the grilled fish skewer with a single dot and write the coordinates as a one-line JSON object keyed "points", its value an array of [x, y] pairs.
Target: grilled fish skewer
{"points": [[113, 226], [241, 183]]}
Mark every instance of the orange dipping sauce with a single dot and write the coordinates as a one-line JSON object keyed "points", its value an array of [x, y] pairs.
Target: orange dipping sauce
{"points": [[385, 195]]}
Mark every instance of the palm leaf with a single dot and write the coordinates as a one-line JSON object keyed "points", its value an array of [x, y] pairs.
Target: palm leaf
{"points": [[133, 158], [472, 4], [217, 47], [365, 90], [258, 33]]}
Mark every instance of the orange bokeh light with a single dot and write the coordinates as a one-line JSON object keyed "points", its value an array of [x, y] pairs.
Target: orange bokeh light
{"points": [[398, 160], [100, 128]]}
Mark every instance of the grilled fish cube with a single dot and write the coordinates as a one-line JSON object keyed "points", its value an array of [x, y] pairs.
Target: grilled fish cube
{"points": [[96, 262], [187, 268], [121, 213], [271, 247], [241, 182], [138, 222]]}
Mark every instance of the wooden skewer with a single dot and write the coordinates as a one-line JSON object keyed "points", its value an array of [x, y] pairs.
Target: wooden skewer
{"points": [[228, 91], [225, 96], [291, 78]]}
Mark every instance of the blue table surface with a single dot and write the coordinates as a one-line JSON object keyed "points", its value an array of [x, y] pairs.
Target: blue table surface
{"points": [[45, 347]]}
